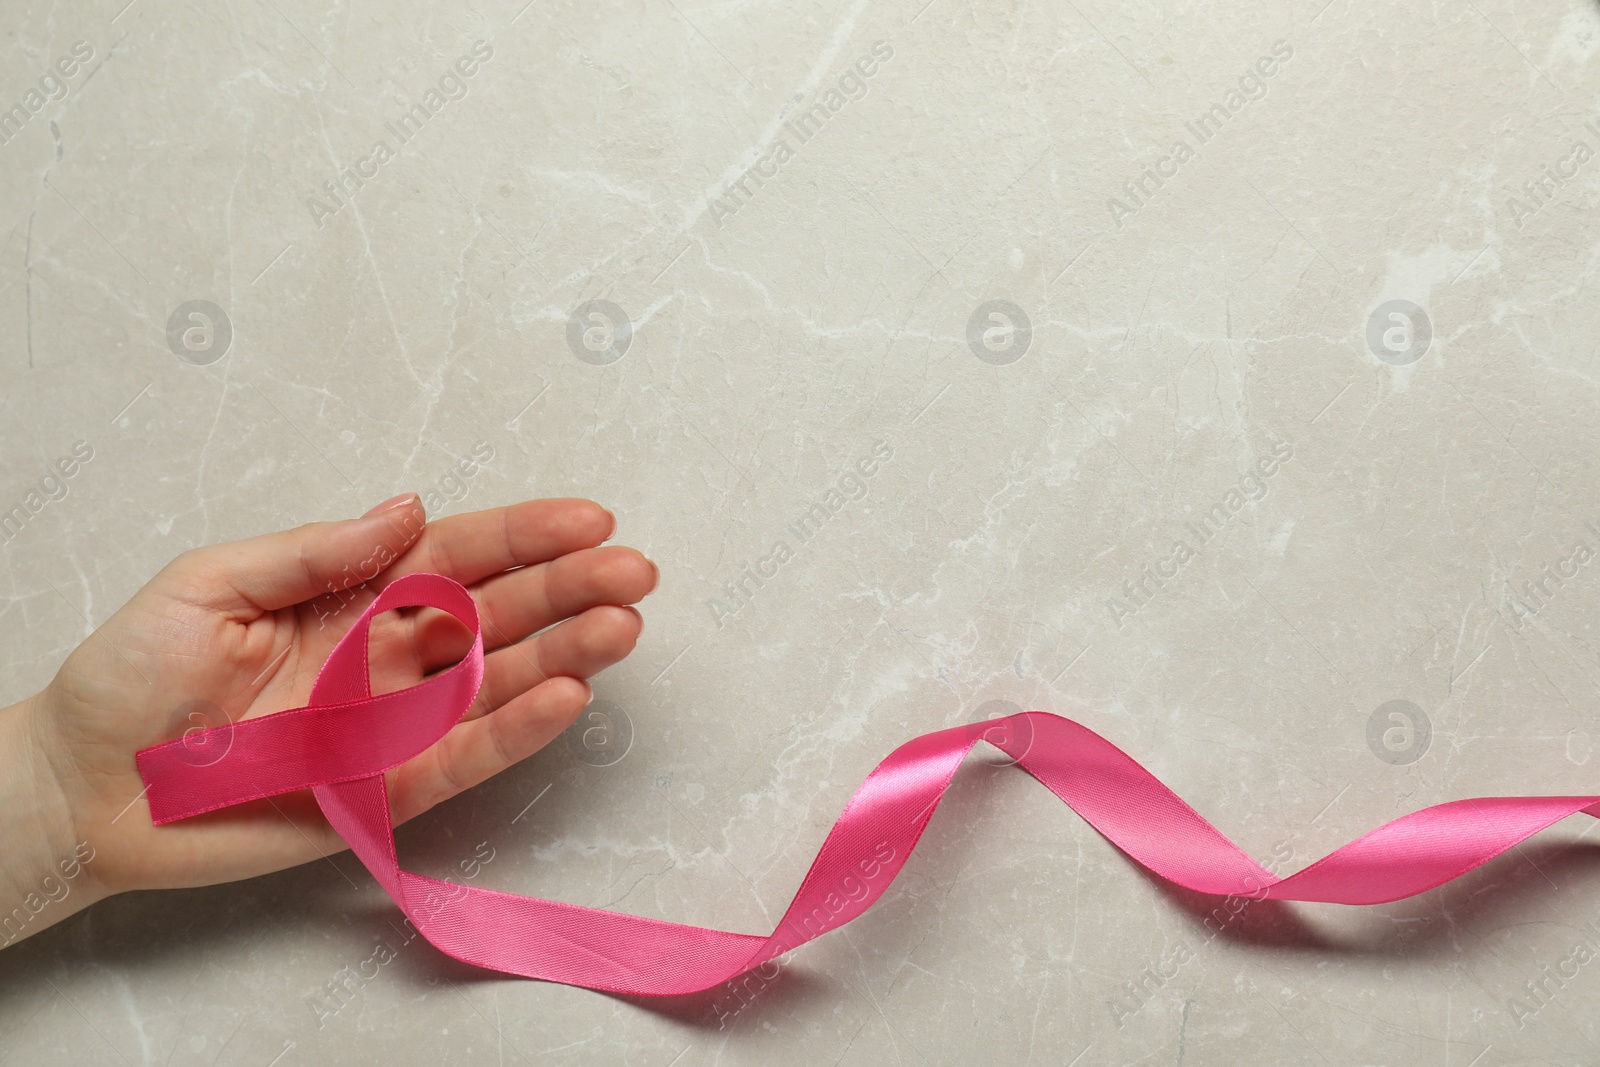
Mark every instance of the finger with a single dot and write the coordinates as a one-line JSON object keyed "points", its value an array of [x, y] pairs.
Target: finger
{"points": [[471, 547], [580, 647], [276, 570], [526, 601], [474, 751], [517, 603]]}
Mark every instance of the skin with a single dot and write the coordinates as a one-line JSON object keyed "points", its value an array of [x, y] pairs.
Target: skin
{"points": [[247, 625]]}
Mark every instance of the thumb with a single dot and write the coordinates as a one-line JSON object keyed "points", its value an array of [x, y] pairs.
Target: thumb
{"points": [[276, 570]]}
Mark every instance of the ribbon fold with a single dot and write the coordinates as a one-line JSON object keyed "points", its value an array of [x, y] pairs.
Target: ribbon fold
{"points": [[340, 744]]}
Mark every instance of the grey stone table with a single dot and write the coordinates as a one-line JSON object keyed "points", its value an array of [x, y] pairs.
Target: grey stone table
{"points": [[1216, 374]]}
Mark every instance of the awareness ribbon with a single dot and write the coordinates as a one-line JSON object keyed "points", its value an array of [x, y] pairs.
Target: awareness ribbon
{"points": [[340, 744]]}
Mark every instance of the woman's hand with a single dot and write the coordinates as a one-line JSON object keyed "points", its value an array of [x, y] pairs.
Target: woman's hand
{"points": [[241, 629]]}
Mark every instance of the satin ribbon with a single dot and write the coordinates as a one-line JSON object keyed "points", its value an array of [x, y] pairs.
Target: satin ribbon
{"points": [[340, 744]]}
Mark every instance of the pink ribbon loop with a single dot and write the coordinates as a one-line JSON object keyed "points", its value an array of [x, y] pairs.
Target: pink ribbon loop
{"points": [[343, 734], [341, 743]]}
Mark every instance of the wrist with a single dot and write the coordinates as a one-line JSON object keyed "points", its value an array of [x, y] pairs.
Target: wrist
{"points": [[45, 873]]}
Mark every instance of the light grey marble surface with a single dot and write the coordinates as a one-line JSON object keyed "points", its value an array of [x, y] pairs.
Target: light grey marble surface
{"points": [[1362, 262]]}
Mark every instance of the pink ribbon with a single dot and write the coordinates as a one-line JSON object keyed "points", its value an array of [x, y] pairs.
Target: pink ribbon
{"points": [[340, 744]]}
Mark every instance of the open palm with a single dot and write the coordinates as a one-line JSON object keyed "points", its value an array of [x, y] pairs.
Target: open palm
{"points": [[240, 630]]}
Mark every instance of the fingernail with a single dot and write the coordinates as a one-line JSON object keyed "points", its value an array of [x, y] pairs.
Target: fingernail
{"points": [[657, 579], [638, 615], [392, 503], [590, 700], [613, 516]]}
